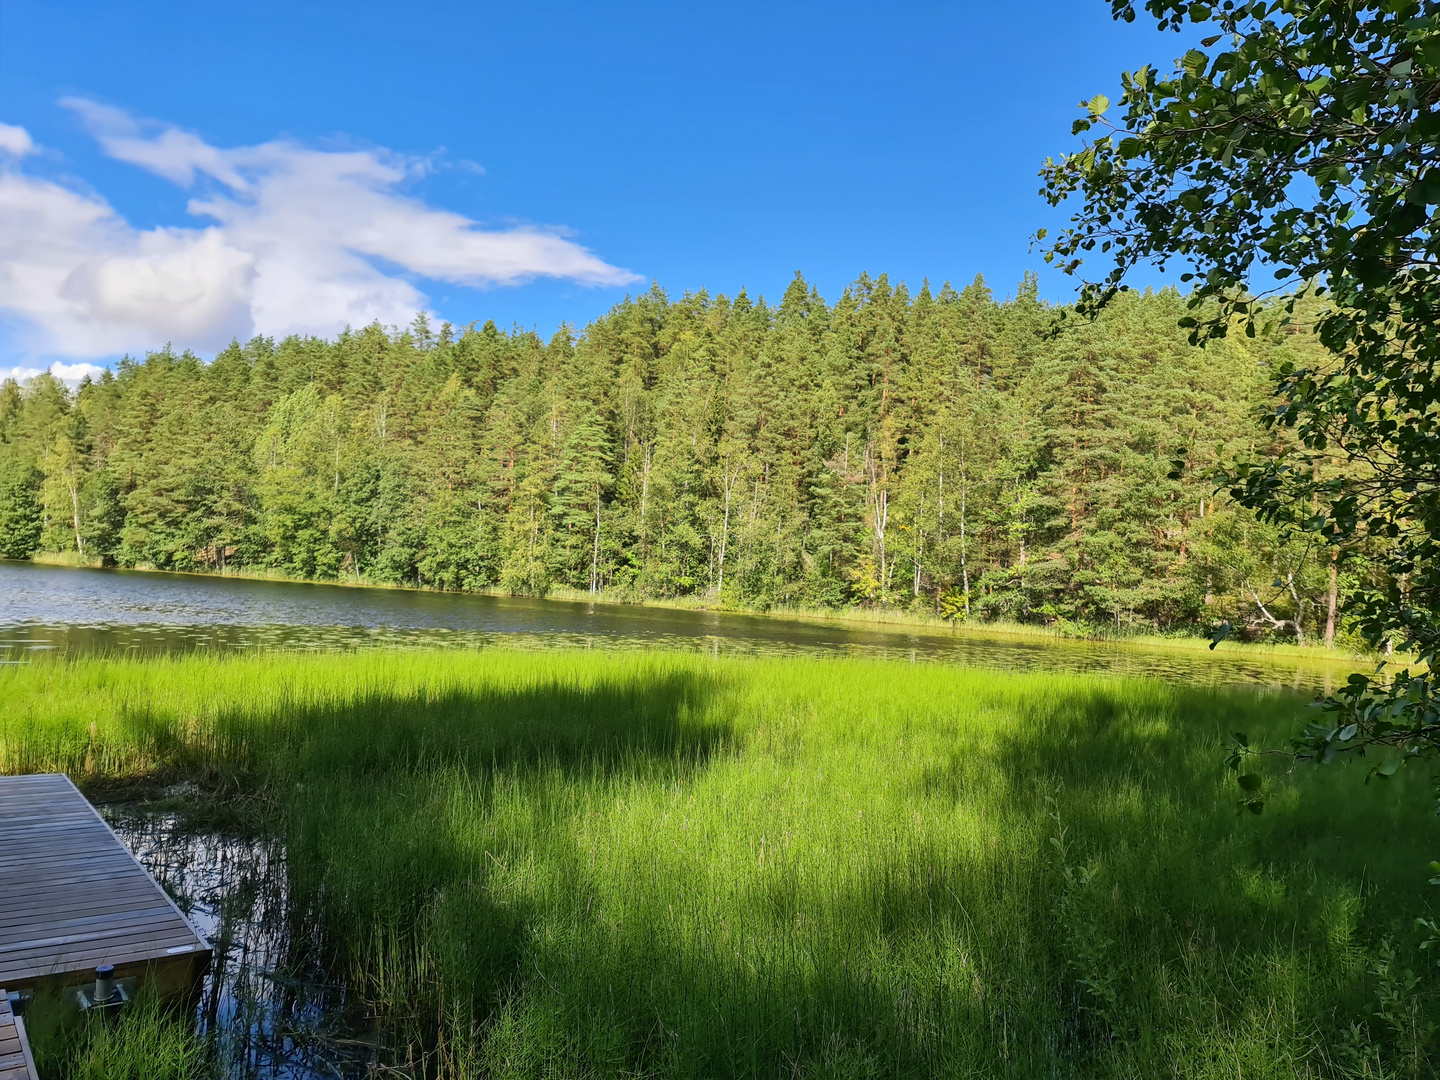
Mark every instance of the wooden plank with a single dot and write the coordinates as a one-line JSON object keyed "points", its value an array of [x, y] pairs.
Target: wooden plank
{"points": [[15, 1060], [80, 907], [25, 1049], [86, 874], [120, 931], [76, 891], [72, 896], [80, 953], [152, 922]]}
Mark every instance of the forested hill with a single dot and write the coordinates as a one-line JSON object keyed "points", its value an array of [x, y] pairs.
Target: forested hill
{"points": [[942, 450]]}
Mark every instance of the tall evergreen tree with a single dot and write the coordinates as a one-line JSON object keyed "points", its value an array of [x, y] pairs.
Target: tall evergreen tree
{"points": [[946, 451]]}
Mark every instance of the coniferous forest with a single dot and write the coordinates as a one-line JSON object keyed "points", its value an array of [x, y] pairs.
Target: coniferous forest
{"points": [[942, 451]]}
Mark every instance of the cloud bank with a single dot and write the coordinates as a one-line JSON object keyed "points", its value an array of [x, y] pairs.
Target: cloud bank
{"points": [[288, 239]]}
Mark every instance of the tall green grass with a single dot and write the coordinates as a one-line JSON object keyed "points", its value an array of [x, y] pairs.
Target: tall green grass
{"points": [[589, 864], [149, 1041]]}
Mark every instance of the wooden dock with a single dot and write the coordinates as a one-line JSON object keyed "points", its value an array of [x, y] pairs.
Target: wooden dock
{"points": [[15, 1060], [72, 896]]}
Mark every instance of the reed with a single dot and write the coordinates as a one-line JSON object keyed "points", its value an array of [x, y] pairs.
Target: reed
{"points": [[149, 1041], [620, 864]]}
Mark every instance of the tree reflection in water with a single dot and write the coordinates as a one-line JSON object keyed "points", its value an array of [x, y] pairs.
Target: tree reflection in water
{"points": [[268, 1005]]}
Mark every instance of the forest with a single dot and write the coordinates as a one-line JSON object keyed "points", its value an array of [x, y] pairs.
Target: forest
{"points": [[947, 452]]}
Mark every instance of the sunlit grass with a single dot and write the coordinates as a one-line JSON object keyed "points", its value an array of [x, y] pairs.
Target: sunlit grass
{"points": [[65, 558], [590, 864]]}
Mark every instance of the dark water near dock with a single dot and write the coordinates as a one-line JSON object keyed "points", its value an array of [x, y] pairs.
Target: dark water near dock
{"points": [[47, 609], [268, 1008]]}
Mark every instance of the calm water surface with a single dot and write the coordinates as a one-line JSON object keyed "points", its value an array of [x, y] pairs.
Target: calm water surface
{"points": [[46, 609], [268, 1008]]}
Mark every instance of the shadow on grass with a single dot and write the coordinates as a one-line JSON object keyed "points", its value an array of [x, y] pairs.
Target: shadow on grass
{"points": [[405, 814], [400, 811], [1128, 765], [606, 726], [1155, 871], [434, 863]]}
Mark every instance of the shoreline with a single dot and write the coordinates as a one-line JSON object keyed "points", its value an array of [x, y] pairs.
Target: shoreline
{"points": [[881, 619]]}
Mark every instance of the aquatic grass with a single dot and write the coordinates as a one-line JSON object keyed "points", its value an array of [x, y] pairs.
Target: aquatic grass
{"points": [[592, 864], [65, 558], [147, 1040]]}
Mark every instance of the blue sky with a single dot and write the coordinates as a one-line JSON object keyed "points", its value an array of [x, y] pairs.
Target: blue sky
{"points": [[197, 171]]}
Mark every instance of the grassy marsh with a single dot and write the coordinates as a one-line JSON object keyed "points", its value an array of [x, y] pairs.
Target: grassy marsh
{"points": [[601, 864]]}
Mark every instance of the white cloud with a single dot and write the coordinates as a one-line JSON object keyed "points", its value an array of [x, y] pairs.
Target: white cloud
{"points": [[166, 151], [296, 244], [69, 374], [15, 141]]}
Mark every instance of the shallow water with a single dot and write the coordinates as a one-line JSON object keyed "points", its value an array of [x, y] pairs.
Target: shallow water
{"points": [[266, 1005], [48, 609]]}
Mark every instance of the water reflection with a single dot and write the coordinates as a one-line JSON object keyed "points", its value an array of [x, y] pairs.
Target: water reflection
{"points": [[267, 1006], [72, 611]]}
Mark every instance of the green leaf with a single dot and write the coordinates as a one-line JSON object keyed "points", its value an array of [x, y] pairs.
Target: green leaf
{"points": [[1250, 782], [1098, 104], [1388, 768]]}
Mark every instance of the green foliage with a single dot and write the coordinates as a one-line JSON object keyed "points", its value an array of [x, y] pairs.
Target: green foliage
{"points": [[590, 864], [20, 509], [1297, 144], [945, 452]]}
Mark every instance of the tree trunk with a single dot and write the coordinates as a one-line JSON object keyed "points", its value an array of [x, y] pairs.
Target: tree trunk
{"points": [[595, 551], [964, 559], [730, 480], [644, 491], [75, 519], [724, 538], [1299, 609], [940, 526], [1333, 598]]}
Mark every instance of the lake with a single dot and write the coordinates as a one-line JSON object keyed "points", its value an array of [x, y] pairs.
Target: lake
{"points": [[50, 609]]}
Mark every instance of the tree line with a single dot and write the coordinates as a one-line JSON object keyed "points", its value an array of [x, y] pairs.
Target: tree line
{"points": [[945, 451]]}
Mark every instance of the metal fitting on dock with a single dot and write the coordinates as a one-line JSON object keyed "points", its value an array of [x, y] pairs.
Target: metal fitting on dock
{"points": [[106, 995]]}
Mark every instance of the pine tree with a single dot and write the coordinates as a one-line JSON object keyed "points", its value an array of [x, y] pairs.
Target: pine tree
{"points": [[945, 451]]}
